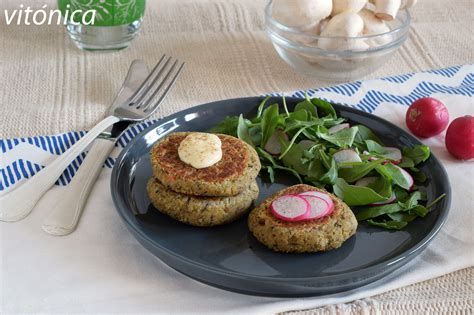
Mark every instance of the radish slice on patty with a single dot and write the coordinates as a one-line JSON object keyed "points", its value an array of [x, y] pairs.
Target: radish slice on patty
{"points": [[338, 128], [290, 208], [346, 155], [318, 194], [318, 207]]}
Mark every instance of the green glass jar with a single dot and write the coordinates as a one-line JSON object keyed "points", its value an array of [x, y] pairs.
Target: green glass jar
{"points": [[102, 25]]}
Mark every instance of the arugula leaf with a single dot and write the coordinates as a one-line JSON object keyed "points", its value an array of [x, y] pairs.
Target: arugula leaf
{"points": [[358, 170], [435, 201], [412, 200], [325, 107], [418, 210], [359, 195], [260, 107], [243, 131], [342, 139], [270, 120], [267, 156], [391, 225], [418, 153], [228, 126], [271, 173]]}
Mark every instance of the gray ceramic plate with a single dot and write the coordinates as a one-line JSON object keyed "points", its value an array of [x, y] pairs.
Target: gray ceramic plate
{"points": [[230, 257]]}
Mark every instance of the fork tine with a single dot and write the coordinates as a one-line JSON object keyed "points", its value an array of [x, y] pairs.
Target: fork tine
{"points": [[144, 87], [150, 109], [154, 90]]}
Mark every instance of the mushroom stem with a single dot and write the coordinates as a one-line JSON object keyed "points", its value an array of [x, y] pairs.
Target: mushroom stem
{"points": [[387, 9]]}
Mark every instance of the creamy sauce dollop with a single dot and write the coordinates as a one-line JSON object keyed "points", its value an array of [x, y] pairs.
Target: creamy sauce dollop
{"points": [[200, 150]]}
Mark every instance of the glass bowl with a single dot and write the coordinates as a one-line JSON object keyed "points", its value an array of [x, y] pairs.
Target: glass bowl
{"points": [[300, 50]]}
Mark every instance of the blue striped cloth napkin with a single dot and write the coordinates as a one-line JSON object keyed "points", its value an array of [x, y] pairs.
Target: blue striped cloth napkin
{"points": [[22, 158]]}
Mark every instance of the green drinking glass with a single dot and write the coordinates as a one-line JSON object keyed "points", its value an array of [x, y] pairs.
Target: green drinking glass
{"points": [[102, 25]]}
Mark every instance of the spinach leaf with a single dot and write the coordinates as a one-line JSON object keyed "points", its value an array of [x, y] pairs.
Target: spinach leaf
{"points": [[418, 175], [325, 107], [307, 106], [361, 196], [376, 211], [396, 175], [373, 146], [406, 162], [228, 126], [298, 115], [329, 163], [402, 217], [256, 134], [270, 120], [293, 158], [358, 170], [390, 225], [342, 139], [366, 134], [243, 131], [418, 153]]}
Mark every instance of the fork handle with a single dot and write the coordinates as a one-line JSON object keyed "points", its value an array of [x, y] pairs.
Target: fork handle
{"points": [[65, 215], [17, 204]]}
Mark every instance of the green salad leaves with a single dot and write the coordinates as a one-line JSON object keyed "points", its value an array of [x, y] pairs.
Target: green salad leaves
{"points": [[377, 181]]}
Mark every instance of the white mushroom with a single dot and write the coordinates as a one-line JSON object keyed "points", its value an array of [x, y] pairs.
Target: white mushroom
{"points": [[346, 24], [354, 6], [387, 9], [320, 26], [301, 14], [375, 26]]}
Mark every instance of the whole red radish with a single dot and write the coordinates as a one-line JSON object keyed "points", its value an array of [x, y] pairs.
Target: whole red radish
{"points": [[460, 138], [427, 117]]}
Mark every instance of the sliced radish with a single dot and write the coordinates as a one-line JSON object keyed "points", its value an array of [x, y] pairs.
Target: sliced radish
{"points": [[366, 181], [392, 198], [306, 144], [318, 207], [321, 195], [273, 145], [290, 208], [346, 155], [338, 128], [393, 153], [408, 177]]}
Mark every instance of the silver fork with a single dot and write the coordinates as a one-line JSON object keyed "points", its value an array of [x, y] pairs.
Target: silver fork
{"points": [[17, 204]]}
